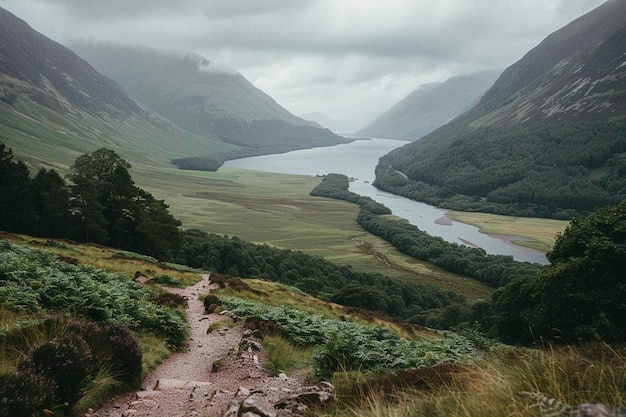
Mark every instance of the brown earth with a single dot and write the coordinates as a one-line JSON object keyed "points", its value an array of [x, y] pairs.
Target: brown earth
{"points": [[188, 383]]}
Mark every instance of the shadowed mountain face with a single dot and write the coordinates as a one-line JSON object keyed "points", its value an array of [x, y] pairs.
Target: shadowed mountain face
{"points": [[429, 107], [188, 90], [548, 139], [578, 73], [55, 106], [57, 78]]}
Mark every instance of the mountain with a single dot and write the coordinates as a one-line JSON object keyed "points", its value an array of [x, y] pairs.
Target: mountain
{"points": [[55, 106], [202, 98], [548, 139], [326, 121], [429, 107]]}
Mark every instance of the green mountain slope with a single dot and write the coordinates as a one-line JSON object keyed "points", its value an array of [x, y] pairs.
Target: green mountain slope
{"points": [[188, 90], [429, 107], [54, 106], [548, 139]]}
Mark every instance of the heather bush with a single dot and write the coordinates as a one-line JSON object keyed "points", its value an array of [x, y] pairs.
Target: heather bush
{"points": [[125, 354], [25, 393], [166, 299], [211, 303], [67, 361]]}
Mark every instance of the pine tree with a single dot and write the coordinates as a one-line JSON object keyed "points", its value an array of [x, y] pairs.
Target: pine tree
{"points": [[17, 213]]}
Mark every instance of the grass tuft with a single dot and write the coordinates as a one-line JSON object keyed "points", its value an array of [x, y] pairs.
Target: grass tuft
{"points": [[492, 387], [284, 356], [154, 350]]}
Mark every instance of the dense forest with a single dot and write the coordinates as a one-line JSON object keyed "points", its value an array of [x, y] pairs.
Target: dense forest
{"points": [[578, 298], [550, 170], [494, 270]]}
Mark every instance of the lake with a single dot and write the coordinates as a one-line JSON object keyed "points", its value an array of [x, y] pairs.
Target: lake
{"points": [[357, 160]]}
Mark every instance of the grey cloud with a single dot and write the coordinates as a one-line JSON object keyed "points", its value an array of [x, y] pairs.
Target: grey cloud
{"points": [[100, 10], [351, 57]]}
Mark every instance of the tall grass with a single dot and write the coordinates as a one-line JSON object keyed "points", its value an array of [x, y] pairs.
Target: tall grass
{"points": [[497, 386], [154, 350], [284, 356]]}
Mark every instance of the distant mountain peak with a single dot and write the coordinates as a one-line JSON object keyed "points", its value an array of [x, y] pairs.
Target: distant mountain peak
{"points": [[430, 106]]}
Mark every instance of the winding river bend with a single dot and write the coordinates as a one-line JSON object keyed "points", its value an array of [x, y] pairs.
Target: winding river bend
{"points": [[357, 160]]}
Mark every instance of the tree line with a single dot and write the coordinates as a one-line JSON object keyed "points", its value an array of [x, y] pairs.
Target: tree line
{"points": [[493, 270], [100, 204], [313, 275], [578, 298]]}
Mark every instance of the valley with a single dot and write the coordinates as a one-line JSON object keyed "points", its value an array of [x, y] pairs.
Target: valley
{"points": [[173, 241], [277, 209]]}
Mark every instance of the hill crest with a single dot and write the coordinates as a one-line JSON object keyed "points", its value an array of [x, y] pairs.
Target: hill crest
{"points": [[430, 106]]}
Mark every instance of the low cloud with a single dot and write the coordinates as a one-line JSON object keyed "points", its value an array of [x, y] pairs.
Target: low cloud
{"points": [[350, 59]]}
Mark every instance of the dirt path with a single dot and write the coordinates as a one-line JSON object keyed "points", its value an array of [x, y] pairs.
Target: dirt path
{"points": [[185, 384]]}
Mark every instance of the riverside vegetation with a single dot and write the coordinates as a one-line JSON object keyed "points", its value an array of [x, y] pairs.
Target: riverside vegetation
{"points": [[41, 290], [494, 270], [522, 171]]}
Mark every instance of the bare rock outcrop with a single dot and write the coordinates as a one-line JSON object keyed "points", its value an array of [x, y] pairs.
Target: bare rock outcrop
{"points": [[255, 403]]}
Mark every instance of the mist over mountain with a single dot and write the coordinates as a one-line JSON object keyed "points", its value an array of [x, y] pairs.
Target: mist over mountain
{"points": [[204, 99], [430, 106], [54, 106], [548, 139], [326, 121]]}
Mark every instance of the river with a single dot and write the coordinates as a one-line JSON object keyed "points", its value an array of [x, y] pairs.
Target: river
{"points": [[357, 160]]}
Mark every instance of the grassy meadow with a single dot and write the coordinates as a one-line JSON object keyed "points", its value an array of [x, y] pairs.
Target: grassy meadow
{"points": [[277, 209], [531, 232]]}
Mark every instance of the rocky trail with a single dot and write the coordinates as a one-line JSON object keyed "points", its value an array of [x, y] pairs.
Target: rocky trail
{"points": [[220, 374]]}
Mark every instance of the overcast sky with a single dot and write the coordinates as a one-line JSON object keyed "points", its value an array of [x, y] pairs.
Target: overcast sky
{"points": [[348, 59]]}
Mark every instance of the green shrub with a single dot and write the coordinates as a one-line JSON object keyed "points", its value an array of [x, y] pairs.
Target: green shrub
{"points": [[168, 281], [343, 345], [38, 281]]}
